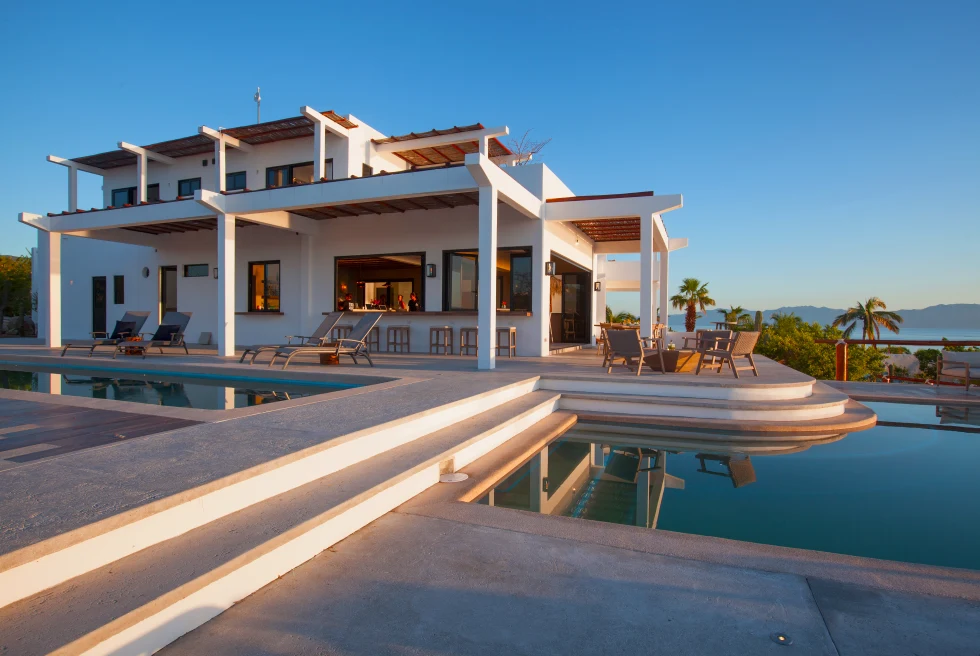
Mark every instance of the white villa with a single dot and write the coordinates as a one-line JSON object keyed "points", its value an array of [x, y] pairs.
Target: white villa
{"points": [[259, 230]]}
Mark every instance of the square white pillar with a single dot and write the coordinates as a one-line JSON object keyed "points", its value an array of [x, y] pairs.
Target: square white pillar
{"points": [[664, 289], [319, 151], [306, 319], [72, 188], [49, 249], [487, 292], [226, 285], [220, 180], [541, 295], [140, 179], [646, 275]]}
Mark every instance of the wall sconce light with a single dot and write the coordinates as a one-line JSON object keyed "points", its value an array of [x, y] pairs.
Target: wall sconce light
{"points": [[597, 286], [146, 272], [430, 270], [549, 268], [215, 273]]}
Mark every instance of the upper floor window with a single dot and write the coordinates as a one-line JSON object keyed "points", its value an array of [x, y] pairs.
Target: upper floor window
{"points": [[188, 187], [280, 176], [235, 181], [126, 196], [152, 193]]}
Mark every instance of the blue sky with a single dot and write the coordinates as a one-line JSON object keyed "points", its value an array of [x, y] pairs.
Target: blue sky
{"points": [[826, 151]]}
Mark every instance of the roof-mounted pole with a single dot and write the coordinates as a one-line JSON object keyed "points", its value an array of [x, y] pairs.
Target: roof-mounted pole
{"points": [[73, 168]]}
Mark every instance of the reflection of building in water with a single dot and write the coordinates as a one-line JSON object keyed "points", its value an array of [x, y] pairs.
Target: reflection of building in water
{"points": [[958, 415], [624, 483]]}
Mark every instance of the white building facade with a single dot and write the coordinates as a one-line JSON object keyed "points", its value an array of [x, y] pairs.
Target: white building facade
{"points": [[260, 230]]}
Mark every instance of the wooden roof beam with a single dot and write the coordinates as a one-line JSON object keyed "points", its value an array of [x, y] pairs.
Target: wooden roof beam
{"points": [[479, 136]]}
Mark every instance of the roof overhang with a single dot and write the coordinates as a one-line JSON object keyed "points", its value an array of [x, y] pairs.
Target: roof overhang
{"points": [[445, 146]]}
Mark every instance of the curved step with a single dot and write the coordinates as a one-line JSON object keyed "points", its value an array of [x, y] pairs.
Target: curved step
{"points": [[823, 403], [145, 601]]}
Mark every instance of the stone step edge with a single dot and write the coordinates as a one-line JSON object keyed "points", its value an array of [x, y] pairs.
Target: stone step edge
{"points": [[42, 565], [178, 611], [669, 389], [819, 400], [645, 408]]}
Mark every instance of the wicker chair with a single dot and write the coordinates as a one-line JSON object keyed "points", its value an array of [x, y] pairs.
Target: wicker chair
{"points": [[726, 350], [626, 344]]}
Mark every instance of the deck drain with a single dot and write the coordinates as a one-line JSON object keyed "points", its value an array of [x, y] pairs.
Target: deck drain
{"points": [[780, 638], [453, 478]]}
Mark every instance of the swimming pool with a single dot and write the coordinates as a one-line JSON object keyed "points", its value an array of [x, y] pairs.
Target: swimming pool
{"points": [[896, 492], [156, 388]]}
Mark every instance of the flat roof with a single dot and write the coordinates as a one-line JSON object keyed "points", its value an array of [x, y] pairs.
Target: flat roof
{"points": [[443, 154], [198, 144]]}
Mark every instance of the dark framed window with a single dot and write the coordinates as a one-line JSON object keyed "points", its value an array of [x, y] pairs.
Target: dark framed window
{"points": [[196, 270], [375, 280], [152, 193], [263, 286], [125, 196], [118, 290], [302, 173], [514, 279], [235, 181], [188, 187]]}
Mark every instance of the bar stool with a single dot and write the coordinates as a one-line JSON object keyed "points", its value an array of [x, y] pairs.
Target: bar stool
{"points": [[467, 340], [511, 345], [340, 332], [441, 337], [398, 340], [373, 340]]}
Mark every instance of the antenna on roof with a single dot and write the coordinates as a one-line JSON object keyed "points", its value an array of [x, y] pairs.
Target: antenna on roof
{"points": [[258, 105]]}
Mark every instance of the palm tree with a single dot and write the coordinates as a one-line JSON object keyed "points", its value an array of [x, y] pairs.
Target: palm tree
{"points": [[625, 317], [871, 316], [692, 296], [736, 315]]}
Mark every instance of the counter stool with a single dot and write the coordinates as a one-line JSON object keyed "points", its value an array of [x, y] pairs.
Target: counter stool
{"points": [[340, 332], [373, 340], [441, 337], [511, 345], [467, 340], [398, 339]]}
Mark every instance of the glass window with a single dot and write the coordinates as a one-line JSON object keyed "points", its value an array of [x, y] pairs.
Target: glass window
{"points": [[196, 270], [235, 181], [461, 281], [118, 290], [152, 193], [188, 187], [275, 175], [520, 282], [378, 280], [263, 286], [302, 173], [122, 197]]}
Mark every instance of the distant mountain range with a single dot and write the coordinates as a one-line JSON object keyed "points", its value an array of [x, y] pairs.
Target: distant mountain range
{"points": [[956, 315]]}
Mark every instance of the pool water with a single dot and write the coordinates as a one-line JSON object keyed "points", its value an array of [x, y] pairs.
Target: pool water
{"points": [[899, 493], [153, 388]]}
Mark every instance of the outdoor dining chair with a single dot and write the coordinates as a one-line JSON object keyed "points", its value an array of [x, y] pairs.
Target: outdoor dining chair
{"points": [[626, 344], [727, 350]]}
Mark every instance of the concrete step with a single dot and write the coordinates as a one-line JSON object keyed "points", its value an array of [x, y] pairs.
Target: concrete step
{"points": [[822, 403], [101, 534], [145, 601]]}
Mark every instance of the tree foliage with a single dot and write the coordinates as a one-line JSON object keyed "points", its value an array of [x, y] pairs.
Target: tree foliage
{"points": [[872, 315], [790, 341], [692, 296], [15, 285]]}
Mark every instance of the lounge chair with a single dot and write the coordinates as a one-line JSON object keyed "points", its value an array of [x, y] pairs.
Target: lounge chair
{"points": [[726, 350], [129, 326], [170, 334], [353, 345], [626, 344], [958, 365], [319, 337]]}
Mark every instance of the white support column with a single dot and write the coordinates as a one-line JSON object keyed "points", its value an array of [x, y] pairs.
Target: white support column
{"points": [[219, 165], [646, 275], [487, 293], [72, 188], [541, 293], [140, 178], [226, 285], [305, 284], [49, 247], [664, 289], [319, 151]]}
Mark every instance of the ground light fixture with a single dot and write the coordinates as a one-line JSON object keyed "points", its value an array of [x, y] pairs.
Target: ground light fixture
{"points": [[549, 268], [780, 638]]}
